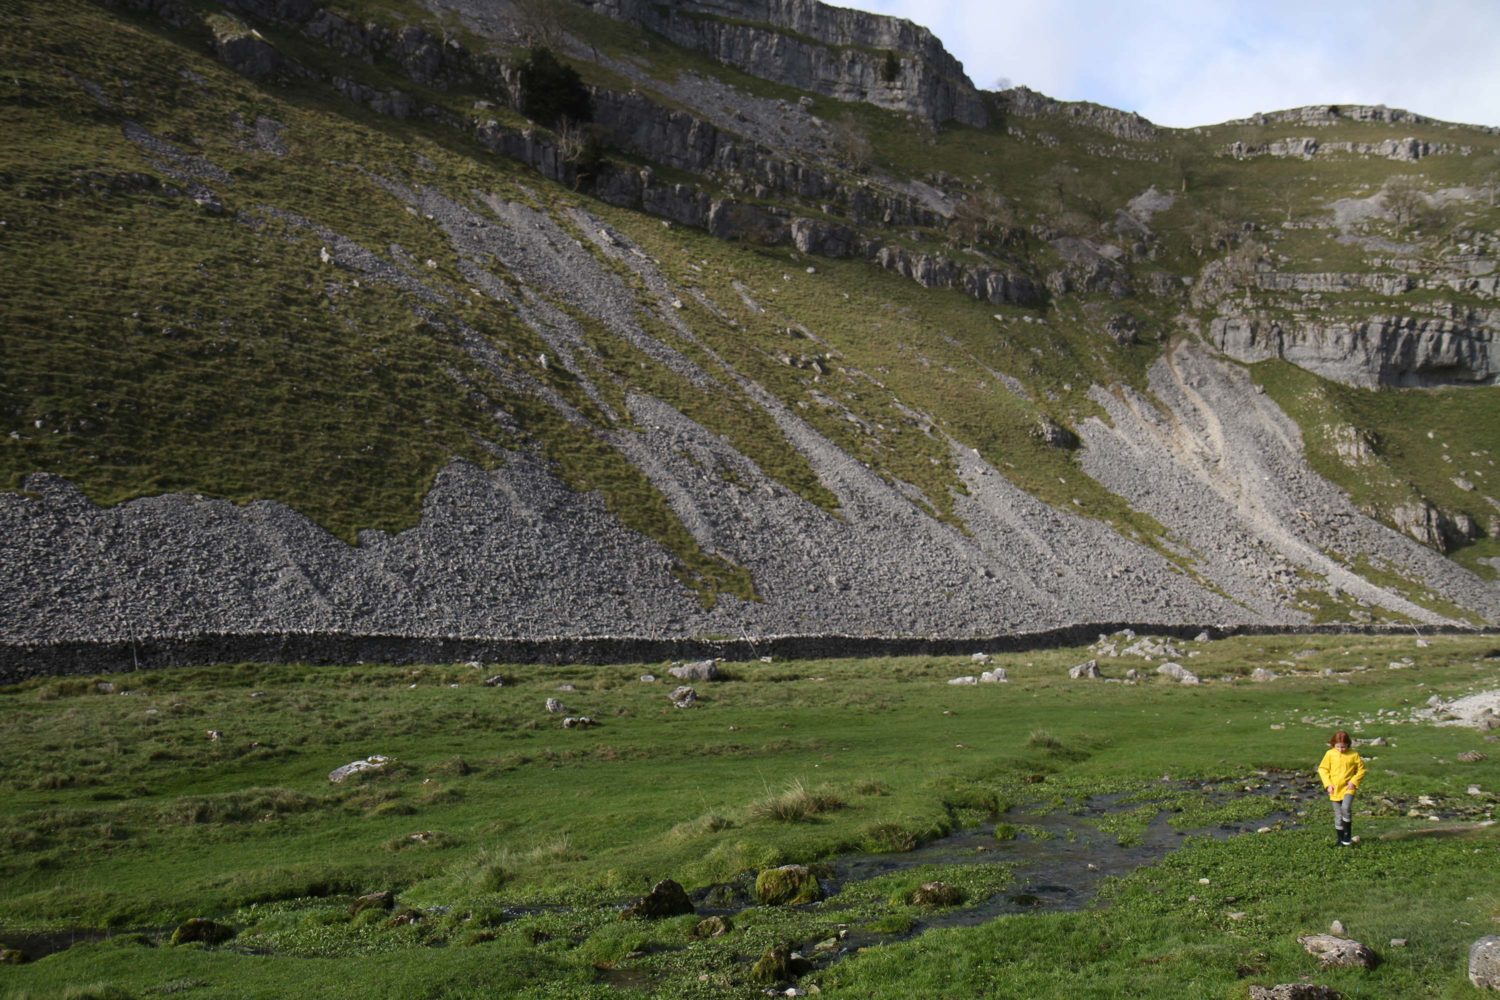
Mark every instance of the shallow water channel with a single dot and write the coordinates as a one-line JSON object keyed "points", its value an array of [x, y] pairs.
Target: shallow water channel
{"points": [[1059, 856]]}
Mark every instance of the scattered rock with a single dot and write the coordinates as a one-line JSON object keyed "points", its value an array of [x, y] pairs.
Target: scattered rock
{"points": [[996, 676], [11, 956], [1484, 963], [712, 927], [372, 763], [789, 885], [382, 900], [1398, 942], [1336, 928], [666, 899], [966, 679], [648, 678], [1177, 672], [200, 930], [980, 658], [1334, 951], [567, 688], [579, 722], [1086, 669], [935, 894], [701, 670], [494, 682], [554, 706], [684, 697], [1471, 756], [1261, 675]]}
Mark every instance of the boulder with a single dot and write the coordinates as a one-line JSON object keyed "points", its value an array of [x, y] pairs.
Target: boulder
{"points": [[684, 697], [980, 658], [935, 894], [1338, 952], [701, 670], [779, 964], [554, 706], [1484, 963], [666, 899], [1178, 673], [371, 763], [1086, 669], [789, 885], [996, 676], [1294, 991], [199, 930]]}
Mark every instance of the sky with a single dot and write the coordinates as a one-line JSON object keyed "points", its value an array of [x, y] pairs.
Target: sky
{"points": [[1182, 63]]}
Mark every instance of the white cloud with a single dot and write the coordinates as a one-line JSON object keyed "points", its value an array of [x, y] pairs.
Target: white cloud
{"points": [[1184, 63]]}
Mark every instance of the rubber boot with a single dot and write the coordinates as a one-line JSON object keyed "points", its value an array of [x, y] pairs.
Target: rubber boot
{"points": [[1346, 835], [1338, 836]]}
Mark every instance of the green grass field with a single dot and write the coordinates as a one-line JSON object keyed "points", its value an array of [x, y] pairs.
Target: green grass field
{"points": [[138, 801]]}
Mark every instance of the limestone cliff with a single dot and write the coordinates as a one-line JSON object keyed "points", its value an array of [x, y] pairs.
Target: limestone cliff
{"points": [[845, 54]]}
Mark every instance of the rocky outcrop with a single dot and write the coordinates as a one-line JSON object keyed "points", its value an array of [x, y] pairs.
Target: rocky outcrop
{"points": [[1340, 114], [845, 54], [242, 49], [1406, 150], [1027, 103], [1382, 350]]}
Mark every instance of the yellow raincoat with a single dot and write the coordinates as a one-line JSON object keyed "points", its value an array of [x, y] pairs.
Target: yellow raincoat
{"points": [[1342, 769]]}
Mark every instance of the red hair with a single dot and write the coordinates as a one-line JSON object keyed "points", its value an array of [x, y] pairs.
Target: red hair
{"points": [[1340, 737]]}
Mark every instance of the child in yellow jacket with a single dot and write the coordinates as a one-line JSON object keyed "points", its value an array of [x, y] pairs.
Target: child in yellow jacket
{"points": [[1341, 771]]}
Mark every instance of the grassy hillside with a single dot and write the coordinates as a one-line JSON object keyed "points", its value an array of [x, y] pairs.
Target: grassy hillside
{"points": [[223, 290]]}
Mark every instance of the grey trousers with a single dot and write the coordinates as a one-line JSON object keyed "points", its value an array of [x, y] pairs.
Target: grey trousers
{"points": [[1343, 811]]}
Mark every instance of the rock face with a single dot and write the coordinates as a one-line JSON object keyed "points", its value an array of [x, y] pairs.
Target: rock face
{"points": [[846, 54], [1390, 351]]}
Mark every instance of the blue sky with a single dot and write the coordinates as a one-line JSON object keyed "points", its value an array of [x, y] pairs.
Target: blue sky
{"points": [[1184, 63]]}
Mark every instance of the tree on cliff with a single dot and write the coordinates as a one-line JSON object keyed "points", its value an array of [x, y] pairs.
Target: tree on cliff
{"points": [[552, 91]]}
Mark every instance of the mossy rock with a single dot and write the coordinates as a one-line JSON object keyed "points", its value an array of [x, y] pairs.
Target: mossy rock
{"points": [[779, 964], [666, 899], [383, 900], [789, 885], [712, 927], [199, 930], [935, 894], [11, 956]]}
